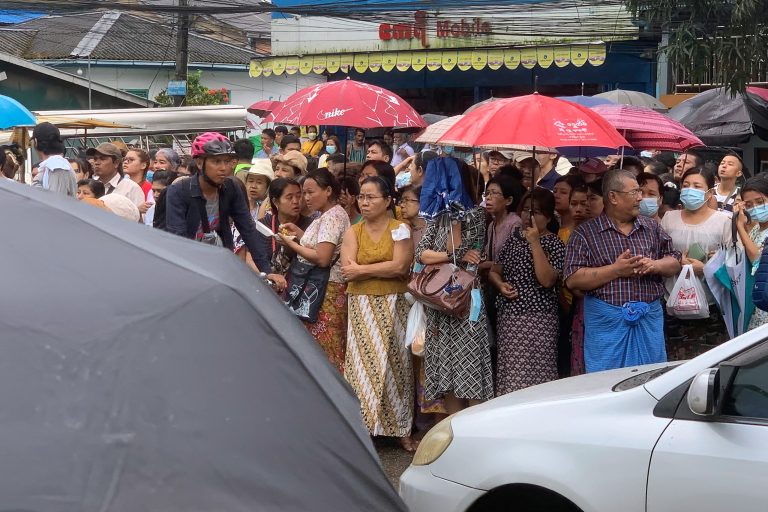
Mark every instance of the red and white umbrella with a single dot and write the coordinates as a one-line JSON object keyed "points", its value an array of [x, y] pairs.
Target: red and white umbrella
{"points": [[263, 107], [645, 128], [533, 120], [348, 103]]}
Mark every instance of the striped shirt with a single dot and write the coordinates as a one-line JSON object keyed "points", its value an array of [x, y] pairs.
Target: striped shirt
{"points": [[598, 242]]}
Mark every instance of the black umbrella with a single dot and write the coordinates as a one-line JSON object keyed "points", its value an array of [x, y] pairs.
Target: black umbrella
{"points": [[719, 119], [144, 372]]}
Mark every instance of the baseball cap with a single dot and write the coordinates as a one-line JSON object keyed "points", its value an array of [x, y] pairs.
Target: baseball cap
{"points": [[593, 166], [46, 131], [262, 167], [122, 146], [105, 148], [507, 155]]}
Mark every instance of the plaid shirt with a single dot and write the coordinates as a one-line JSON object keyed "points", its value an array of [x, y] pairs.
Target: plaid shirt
{"points": [[598, 243]]}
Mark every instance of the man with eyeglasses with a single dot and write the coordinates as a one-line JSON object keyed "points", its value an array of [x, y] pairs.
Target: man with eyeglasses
{"points": [[619, 260]]}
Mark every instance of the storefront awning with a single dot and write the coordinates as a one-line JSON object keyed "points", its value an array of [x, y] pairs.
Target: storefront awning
{"points": [[433, 60]]}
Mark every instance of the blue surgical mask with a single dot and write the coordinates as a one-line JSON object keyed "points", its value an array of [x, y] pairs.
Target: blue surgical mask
{"points": [[150, 175], [649, 206], [692, 198], [330, 149], [759, 213], [447, 150]]}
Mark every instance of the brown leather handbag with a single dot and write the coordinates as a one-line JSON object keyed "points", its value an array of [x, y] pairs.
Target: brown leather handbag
{"points": [[444, 287]]}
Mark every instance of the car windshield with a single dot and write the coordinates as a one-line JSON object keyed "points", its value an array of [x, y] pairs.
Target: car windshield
{"points": [[641, 378]]}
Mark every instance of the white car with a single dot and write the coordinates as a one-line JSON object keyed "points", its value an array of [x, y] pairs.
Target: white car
{"points": [[656, 438]]}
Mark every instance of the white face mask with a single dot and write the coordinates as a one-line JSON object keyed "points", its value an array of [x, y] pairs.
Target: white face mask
{"points": [[311, 136]]}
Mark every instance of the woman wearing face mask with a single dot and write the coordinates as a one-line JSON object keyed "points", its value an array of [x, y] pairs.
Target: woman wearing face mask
{"points": [[312, 146], [697, 232], [754, 197], [332, 146], [652, 187]]}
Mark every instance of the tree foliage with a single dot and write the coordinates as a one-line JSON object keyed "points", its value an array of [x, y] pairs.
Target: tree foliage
{"points": [[197, 94], [716, 41]]}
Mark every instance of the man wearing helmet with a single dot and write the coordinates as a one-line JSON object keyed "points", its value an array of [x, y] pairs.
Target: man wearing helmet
{"points": [[200, 207]]}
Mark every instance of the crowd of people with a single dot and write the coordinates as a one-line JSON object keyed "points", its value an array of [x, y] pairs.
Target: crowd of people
{"points": [[572, 263]]}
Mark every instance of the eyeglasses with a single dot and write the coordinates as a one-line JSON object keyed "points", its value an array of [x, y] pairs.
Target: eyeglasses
{"points": [[365, 198], [631, 193], [405, 200], [493, 193]]}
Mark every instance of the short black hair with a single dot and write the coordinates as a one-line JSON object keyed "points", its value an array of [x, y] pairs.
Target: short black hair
{"points": [[383, 169], [244, 149], [325, 179], [657, 167], [164, 177], [96, 186], [385, 148], [645, 177], [289, 139], [336, 158], [269, 132], [281, 129]]}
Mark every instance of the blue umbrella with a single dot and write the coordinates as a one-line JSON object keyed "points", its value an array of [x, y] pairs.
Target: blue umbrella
{"points": [[587, 101], [13, 113], [443, 191]]}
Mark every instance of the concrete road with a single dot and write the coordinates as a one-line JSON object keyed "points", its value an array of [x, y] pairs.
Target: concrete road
{"points": [[394, 459]]}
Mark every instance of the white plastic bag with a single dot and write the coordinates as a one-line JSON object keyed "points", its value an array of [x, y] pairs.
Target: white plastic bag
{"points": [[416, 329], [688, 299]]}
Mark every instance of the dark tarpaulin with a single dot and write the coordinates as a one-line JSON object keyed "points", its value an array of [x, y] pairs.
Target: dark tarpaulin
{"points": [[721, 120], [144, 372]]}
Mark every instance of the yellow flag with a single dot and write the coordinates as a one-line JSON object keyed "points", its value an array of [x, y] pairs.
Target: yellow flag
{"points": [[479, 59], [597, 54], [562, 56], [511, 58], [449, 59], [464, 59], [266, 67], [278, 65], [305, 65], [361, 62], [318, 64], [389, 61], [333, 63], [528, 57], [495, 59], [374, 62], [347, 61], [434, 60], [579, 55], [291, 65], [255, 68], [545, 56], [418, 60], [404, 61]]}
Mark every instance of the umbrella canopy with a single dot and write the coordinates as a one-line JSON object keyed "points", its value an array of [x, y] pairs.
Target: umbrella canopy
{"points": [[645, 128], [719, 119], [13, 113], [348, 103], [434, 131], [636, 98], [433, 118], [533, 120], [264, 107], [442, 191], [587, 101], [162, 375], [481, 104]]}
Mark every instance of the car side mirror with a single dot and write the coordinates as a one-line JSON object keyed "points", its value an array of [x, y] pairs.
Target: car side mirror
{"points": [[703, 392]]}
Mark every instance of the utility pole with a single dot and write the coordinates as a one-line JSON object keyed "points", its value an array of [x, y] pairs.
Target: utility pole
{"points": [[182, 48]]}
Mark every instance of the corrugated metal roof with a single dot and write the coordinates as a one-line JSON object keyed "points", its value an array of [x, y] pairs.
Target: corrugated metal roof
{"points": [[130, 38], [92, 39]]}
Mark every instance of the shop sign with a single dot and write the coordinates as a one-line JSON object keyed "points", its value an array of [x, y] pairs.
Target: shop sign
{"points": [[445, 29]]}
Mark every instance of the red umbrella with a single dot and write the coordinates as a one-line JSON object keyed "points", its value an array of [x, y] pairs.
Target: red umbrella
{"points": [[260, 108], [533, 120], [348, 103], [645, 128]]}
